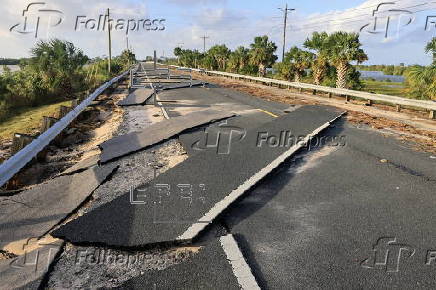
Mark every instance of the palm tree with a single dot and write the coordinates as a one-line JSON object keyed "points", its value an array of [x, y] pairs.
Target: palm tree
{"points": [[58, 63], [262, 53], [318, 43], [300, 60], [285, 71], [220, 53], [238, 59], [342, 48], [421, 82], [431, 48], [178, 52]]}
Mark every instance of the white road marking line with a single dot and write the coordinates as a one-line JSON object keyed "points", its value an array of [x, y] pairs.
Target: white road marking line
{"points": [[202, 223], [240, 267]]}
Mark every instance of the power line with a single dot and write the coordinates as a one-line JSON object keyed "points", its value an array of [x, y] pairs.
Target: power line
{"points": [[204, 42], [354, 9], [285, 12], [341, 21]]}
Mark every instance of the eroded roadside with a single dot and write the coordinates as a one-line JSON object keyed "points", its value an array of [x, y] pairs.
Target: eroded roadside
{"points": [[75, 265], [94, 266], [408, 125]]}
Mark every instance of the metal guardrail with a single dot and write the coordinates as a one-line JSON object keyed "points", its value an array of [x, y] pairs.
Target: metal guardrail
{"points": [[16, 162], [426, 105]]}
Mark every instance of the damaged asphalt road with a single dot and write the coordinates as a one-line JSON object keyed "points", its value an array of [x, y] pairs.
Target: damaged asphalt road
{"points": [[168, 208], [232, 213]]}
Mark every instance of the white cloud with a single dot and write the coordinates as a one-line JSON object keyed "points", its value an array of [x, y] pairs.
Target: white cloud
{"points": [[223, 25]]}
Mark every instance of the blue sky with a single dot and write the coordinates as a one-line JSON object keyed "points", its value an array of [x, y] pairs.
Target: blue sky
{"points": [[233, 23]]}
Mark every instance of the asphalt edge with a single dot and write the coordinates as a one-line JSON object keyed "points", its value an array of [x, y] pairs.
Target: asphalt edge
{"points": [[220, 206], [240, 268]]}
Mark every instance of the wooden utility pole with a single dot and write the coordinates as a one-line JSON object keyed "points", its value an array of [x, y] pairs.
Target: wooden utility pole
{"points": [[285, 11], [204, 42], [110, 41]]}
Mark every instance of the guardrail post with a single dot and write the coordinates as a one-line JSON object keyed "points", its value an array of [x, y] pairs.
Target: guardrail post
{"points": [[369, 102], [313, 92], [20, 141], [63, 111], [398, 107], [432, 114], [75, 103], [47, 122], [330, 95], [347, 98], [130, 79]]}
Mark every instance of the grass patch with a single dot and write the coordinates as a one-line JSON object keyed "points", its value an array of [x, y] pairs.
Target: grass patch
{"points": [[28, 120], [385, 88]]}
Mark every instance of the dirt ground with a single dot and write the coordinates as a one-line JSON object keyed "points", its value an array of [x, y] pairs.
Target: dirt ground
{"points": [[409, 125]]}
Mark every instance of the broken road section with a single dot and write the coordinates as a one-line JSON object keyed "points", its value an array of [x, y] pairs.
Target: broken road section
{"points": [[180, 203], [132, 142], [34, 212], [208, 269], [137, 97]]}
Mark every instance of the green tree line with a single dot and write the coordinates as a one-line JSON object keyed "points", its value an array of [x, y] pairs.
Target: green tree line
{"points": [[325, 59], [56, 71]]}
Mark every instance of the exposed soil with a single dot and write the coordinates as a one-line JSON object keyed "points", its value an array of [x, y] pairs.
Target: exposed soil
{"points": [[79, 141]]}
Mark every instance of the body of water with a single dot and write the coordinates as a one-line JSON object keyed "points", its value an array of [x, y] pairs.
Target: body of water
{"points": [[380, 76], [12, 67]]}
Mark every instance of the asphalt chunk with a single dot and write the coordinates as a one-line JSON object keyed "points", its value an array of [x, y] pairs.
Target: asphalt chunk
{"points": [[137, 97], [33, 212], [165, 209], [208, 269], [155, 133]]}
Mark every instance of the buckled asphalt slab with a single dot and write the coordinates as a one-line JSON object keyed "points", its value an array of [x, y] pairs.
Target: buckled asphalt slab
{"points": [[355, 216], [181, 202], [137, 97], [132, 142], [216, 98], [82, 165], [32, 213], [172, 86], [219, 265]]}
